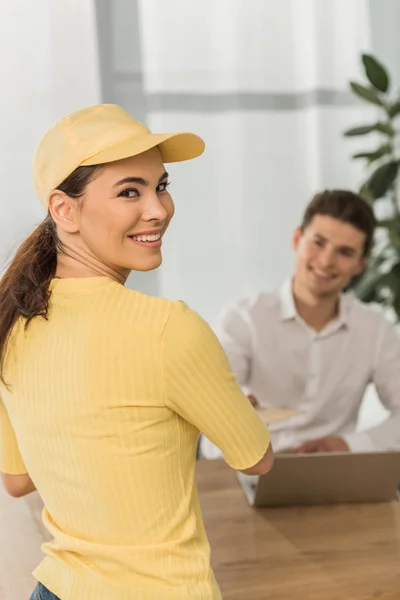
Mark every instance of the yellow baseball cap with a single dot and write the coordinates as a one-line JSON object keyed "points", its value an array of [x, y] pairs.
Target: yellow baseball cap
{"points": [[101, 134]]}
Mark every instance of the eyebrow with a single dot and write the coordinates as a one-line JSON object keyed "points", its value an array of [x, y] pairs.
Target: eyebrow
{"points": [[139, 180], [349, 249]]}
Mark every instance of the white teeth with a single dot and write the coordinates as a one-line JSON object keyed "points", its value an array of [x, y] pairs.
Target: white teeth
{"points": [[147, 238]]}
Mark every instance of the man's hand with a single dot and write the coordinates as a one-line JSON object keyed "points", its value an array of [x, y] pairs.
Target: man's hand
{"points": [[326, 444], [253, 400]]}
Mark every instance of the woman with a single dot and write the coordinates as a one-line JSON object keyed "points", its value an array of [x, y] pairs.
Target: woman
{"points": [[104, 390]]}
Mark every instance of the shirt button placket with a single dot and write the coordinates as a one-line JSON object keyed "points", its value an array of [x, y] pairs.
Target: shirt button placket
{"points": [[313, 366]]}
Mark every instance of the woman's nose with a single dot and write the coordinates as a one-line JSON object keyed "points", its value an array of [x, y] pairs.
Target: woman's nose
{"points": [[154, 210]]}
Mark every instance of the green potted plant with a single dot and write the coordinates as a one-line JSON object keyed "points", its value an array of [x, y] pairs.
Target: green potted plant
{"points": [[380, 282]]}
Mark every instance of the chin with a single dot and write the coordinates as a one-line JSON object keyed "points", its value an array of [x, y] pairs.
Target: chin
{"points": [[323, 289], [324, 292], [146, 265]]}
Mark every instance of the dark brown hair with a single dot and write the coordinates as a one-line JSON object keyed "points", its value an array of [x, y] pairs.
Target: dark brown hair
{"points": [[24, 287], [347, 207]]}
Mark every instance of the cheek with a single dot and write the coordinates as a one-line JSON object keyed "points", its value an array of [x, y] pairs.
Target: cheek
{"points": [[350, 269], [169, 206], [306, 253], [95, 226], [107, 222]]}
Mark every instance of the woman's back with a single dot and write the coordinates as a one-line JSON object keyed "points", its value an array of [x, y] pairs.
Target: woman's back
{"points": [[114, 464], [107, 398]]}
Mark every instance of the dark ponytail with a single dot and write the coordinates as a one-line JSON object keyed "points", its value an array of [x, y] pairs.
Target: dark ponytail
{"points": [[24, 287]]}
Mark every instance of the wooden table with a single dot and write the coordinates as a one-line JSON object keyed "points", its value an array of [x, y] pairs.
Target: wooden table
{"points": [[342, 552], [316, 553]]}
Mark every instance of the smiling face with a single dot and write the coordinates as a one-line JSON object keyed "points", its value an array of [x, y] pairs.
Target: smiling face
{"points": [[121, 218], [329, 253]]}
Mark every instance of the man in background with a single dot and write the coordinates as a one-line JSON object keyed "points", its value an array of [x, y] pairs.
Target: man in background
{"points": [[310, 347]]}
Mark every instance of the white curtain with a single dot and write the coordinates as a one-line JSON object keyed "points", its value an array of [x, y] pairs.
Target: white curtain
{"points": [[266, 83], [49, 67]]}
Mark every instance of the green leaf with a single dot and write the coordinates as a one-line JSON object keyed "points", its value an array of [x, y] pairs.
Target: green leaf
{"points": [[365, 93], [367, 287], [368, 155], [370, 285], [396, 304], [394, 109], [385, 128], [391, 279], [362, 130], [382, 179], [396, 299], [369, 296], [372, 156], [388, 223], [392, 225], [376, 73], [394, 235], [363, 155], [365, 193]]}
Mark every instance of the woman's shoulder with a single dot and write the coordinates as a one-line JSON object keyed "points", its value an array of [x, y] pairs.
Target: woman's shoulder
{"points": [[186, 327], [131, 298], [145, 305], [176, 318]]}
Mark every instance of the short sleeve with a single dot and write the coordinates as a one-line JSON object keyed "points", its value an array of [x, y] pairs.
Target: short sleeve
{"points": [[10, 457], [386, 378], [202, 389], [232, 328]]}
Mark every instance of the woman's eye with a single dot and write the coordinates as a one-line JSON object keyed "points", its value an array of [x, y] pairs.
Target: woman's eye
{"points": [[162, 187], [129, 193]]}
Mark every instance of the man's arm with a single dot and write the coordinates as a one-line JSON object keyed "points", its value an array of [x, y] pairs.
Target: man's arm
{"points": [[330, 443], [233, 329], [386, 378]]}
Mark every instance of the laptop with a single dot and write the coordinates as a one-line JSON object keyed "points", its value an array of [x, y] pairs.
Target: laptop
{"points": [[325, 478]]}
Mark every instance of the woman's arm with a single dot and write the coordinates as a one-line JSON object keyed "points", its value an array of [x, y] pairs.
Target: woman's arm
{"points": [[263, 466], [17, 485], [13, 472], [202, 389]]}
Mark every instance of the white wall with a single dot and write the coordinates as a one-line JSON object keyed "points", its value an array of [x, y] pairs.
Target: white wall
{"points": [[385, 38], [266, 84], [48, 68]]}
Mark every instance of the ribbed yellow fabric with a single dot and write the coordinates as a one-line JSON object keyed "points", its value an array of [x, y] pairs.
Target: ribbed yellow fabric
{"points": [[104, 407]]}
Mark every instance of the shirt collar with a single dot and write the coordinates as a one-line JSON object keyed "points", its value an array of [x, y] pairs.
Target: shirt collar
{"points": [[288, 308]]}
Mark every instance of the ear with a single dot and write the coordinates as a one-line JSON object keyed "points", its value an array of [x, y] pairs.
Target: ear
{"points": [[64, 209], [298, 233], [361, 266]]}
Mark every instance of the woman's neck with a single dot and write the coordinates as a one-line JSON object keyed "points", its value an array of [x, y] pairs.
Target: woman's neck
{"points": [[74, 263]]}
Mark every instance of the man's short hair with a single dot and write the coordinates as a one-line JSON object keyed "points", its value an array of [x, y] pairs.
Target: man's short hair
{"points": [[347, 207]]}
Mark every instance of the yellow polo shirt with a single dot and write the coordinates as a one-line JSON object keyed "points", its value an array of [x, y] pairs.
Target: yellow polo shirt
{"points": [[104, 406]]}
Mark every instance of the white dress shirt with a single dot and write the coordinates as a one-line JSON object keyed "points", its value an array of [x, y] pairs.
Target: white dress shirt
{"points": [[284, 363]]}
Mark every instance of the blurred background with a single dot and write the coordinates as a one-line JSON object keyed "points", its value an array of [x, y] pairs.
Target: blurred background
{"points": [[265, 82]]}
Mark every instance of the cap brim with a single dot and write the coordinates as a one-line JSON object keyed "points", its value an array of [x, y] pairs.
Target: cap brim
{"points": [[174, 147]]}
